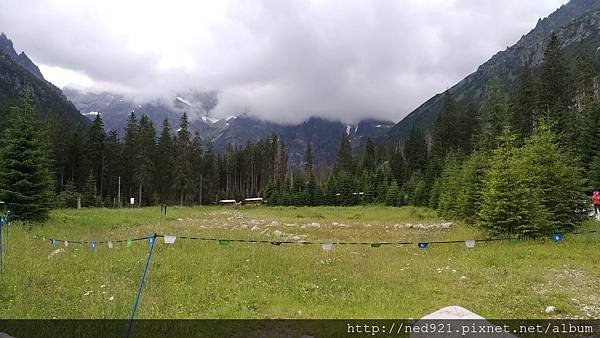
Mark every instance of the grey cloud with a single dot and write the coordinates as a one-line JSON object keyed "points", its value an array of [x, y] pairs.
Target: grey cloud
{"points": [[287, 60]]}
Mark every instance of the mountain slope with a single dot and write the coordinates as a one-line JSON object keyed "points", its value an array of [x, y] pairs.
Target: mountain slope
{"points": [[323, 134], [17, 73], [575, 21]]}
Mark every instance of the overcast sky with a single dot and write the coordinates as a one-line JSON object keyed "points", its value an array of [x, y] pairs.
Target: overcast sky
{"points": [[282, 60]]}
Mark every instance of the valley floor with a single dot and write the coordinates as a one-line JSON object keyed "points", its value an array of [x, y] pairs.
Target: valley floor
{"points": [[203, 279]]}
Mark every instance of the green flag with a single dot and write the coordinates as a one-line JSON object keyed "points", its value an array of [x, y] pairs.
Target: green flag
{"points": [[129, 242]]}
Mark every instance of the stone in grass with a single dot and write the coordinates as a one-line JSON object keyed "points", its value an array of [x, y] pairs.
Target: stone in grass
{"points": [[458, 318], [550, 309]]}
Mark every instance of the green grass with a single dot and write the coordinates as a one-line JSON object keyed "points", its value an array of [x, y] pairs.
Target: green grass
{"points": [[195, 279]]}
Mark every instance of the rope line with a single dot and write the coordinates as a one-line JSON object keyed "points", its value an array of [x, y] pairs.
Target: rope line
{"points": [[139, 293], [279, 242]]}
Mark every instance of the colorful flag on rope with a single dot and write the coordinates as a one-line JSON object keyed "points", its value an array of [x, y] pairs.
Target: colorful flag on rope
{"points": [[423, 245], [66, 243], [169, 239], [375, 245], [52, 241], [93, 245], [276, 243], [110, 244], [151, 239], [129, 242], [223, 242], [470, 243], [557, 237], [327, 246]]}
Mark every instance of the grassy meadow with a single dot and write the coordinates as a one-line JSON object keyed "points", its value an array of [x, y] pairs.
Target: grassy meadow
{"points": [[198, 279]]}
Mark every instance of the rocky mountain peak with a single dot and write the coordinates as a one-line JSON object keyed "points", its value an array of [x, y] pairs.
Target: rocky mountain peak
{"points": [[7, 48]]}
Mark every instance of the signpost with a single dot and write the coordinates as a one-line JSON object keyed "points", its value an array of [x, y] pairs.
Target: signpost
{"points": [[132, 201]]}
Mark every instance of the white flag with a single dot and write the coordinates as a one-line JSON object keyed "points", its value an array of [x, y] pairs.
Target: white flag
{"points": [[470, 243], [66, 243], [110, 244], [327, 246], [169, 239]]}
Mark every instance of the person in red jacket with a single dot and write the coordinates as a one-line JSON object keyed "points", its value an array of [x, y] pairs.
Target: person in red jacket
{"points": [[596, 201]]}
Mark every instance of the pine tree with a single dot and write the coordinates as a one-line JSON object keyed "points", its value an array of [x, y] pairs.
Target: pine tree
{"points": [[311, 184], [344, 162], [183, 161], [522, 114], [552, 86], [95, 151], [90, 197], [25, 183], [68, 197], [495, 113], [164, 163], [509, 204], [552, 170], [209, 170], [197, 167], [469, 128], [369, 160], [392, 197], [129, 156], [443, 136], [415, 150], [450, 185], [145, 156], [584, 77], [114, 166], [472, 184]]}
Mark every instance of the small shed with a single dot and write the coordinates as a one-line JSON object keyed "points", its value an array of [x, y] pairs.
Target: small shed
{"points": [[230, 203], [253, 201]]}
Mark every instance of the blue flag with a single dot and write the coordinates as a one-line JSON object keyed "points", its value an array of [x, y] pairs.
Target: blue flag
{"points": [[276, 243], [93, 245], [151, 239], [423, 245], [52, 241], [557, 237]]}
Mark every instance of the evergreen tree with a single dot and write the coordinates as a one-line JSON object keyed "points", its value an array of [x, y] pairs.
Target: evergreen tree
{"points": [[469, 128], [95, 151], [472, 184], [369, 160], [495, 113], [344, 160], [210, 175], [443, 136], [164, 163], [509, 205], [450, 186], [90, 197], [130, 156], [415, 150], [68, 197], [392, 197], [311, 184], [145, 156], [584, 77], [522, 114], [552, 86], [25, 183], [197, 167], [551, 169], [114, 167], [183, 161]]}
